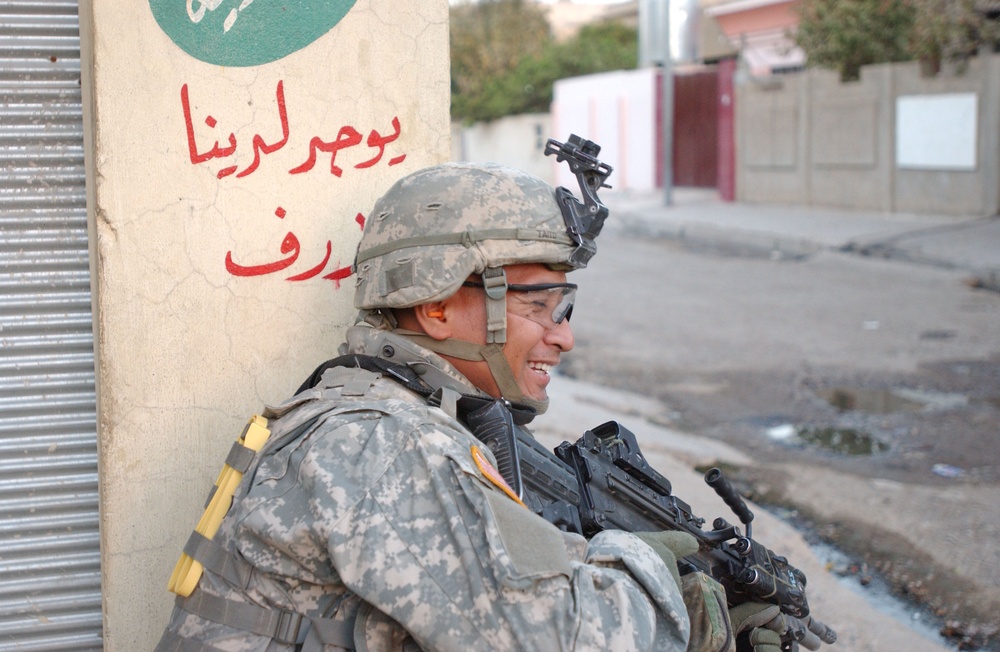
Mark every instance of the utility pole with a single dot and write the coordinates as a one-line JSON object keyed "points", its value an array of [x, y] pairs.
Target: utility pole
{"points": [[654, 51]]}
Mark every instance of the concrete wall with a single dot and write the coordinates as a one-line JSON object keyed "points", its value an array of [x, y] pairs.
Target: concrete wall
{"points": [[892, 141], [232, 149], [618, 111], [517, 141]]}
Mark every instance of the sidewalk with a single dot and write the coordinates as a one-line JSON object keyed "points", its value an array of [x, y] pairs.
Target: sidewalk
{"points": [[971, 244]]}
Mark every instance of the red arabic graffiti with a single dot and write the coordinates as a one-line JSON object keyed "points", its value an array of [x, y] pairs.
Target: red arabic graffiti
{"points": [[291, 249], [258, 143], [264, 144], [347, 137]]}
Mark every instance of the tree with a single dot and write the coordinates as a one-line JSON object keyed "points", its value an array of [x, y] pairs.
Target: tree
{"points": [[847, 34], [953, 30], [481, 92], [489, 39]]}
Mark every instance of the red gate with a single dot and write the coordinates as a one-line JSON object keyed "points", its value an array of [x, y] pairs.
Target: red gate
{"points": [[696, 150]]}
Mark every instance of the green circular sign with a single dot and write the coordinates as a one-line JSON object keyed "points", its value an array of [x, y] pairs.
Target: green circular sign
{"points": [[245, 32]]}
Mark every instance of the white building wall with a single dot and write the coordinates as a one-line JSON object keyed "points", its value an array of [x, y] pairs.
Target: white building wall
{"points": [[517, 141], [617, 110]]}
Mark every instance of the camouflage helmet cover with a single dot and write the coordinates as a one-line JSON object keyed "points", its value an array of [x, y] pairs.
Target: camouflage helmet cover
{"points": [[437, 226]]}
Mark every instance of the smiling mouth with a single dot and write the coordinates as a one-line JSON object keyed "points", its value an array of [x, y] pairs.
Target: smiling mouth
{"points": [[541, 367]]}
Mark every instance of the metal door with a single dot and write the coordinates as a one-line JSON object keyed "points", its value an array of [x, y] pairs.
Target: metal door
{"points": [[695, 157], [50, 593]]}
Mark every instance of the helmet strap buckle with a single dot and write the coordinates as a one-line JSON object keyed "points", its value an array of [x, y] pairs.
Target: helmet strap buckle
{"points": [[495, 285]]}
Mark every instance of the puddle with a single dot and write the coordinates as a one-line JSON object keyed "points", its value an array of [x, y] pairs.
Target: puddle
{"points": [[873, 401], [868, 585], [890, 401], [846, 441], [874, 590]]}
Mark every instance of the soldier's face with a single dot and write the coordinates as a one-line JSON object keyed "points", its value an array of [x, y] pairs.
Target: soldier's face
{"points": [[533, 348]]}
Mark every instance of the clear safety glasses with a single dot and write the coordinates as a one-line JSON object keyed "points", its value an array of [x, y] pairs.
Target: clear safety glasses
{"points": [[547, 304]]}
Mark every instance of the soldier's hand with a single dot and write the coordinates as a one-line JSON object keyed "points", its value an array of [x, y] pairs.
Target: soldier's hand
{"points": [[758, 640], [758, 627]]}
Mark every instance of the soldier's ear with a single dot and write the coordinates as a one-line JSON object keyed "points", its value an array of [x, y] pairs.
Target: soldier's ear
{"points": [[433, 318]]}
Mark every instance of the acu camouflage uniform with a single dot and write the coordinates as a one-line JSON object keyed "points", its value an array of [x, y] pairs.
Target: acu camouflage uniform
{"points": [[365, 523], [366, 513]]}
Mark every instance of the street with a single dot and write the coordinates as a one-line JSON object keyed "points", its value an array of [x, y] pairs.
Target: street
{"points": [[866, 392]]}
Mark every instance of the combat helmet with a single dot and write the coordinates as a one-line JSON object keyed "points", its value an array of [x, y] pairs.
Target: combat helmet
{"points": [[437, 226]]}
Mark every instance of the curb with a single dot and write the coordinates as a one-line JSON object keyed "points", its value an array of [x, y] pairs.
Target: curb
{"points": [[703, 237]]}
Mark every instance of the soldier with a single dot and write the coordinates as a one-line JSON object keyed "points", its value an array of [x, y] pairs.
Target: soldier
{"points": [[373, 519]]}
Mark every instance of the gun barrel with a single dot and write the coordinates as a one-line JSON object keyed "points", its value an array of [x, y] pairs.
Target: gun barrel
{"points": [[810, 641], [824, 633]]}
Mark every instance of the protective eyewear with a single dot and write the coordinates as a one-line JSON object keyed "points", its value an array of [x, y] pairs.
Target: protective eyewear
{"points": [[547, 304]]}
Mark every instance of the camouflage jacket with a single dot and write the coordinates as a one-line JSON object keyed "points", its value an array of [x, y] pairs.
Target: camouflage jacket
{"points": [[367, 513]]}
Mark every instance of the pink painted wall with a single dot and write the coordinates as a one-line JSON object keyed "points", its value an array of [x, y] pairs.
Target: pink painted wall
{"points": [[780, 15]]}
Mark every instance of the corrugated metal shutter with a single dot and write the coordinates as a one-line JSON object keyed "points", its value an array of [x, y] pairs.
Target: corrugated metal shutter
{"points": [[50, 593]]}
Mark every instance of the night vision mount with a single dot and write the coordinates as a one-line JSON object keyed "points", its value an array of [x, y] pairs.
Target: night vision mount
{"points": [[583, 220]]}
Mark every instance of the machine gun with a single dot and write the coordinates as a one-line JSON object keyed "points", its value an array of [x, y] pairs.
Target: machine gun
{"points": [[603, 482]]}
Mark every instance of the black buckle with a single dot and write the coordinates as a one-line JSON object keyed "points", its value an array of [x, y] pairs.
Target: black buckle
{"points": [[495, 282], [289, 630]]}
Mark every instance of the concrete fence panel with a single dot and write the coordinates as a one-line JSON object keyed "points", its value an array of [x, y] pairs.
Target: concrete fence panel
{"points": [[894, 140]]}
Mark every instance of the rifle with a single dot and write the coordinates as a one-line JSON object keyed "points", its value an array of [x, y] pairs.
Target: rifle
{"points": [[604, 482]]}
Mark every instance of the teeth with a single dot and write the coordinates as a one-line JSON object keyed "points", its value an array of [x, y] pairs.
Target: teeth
{"points": [[542, 367]]}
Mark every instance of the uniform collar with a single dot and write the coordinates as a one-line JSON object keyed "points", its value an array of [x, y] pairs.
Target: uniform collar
{"points": [[394, 346]]}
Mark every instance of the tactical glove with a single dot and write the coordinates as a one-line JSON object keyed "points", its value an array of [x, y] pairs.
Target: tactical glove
{"points": [[758, 627], [758, 640]]}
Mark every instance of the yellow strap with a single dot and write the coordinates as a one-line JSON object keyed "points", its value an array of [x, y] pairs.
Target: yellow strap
{"points": [[187, 572]]}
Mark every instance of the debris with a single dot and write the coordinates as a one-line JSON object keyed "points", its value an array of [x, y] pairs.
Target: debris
{"points": [[947, 470], [782, 432]]}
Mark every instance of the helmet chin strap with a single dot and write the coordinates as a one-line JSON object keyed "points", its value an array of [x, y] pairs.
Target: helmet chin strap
{"points": [[500, 369], [495, 286]]}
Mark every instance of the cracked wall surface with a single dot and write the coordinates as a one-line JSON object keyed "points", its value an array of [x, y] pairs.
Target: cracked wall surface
{"points": [[226, 206]]}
